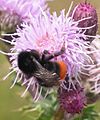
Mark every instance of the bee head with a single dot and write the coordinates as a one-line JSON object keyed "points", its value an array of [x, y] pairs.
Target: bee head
{"points": [[27, 61]]}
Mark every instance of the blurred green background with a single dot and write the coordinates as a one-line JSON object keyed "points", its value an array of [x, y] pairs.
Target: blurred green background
{"points": [[10, 100]]}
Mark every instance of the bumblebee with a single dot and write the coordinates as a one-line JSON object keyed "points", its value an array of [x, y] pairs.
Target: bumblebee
{"points": [[47, 72]]}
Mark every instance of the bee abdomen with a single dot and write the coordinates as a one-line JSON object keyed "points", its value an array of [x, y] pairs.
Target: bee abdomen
{"points": [[62, 69]]}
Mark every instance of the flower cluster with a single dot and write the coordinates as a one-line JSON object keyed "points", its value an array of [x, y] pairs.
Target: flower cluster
{"points": [[51, 33]]}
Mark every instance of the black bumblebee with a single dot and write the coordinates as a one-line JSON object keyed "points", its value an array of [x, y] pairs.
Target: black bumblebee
{"points": [[47, 73]]}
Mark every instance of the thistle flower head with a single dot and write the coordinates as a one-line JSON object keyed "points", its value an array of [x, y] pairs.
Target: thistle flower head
{"points": [[9, 22], [73, 100], [22, 7], [94, 71], [83, 10], [50, 32], [14, 12]]}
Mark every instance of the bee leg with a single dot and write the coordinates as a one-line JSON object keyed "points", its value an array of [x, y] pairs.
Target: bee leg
{"points": [[47, 56], [67, 78]]}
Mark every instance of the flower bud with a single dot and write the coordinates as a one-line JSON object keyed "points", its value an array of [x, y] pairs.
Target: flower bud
{"points": [[86, 10], [9, 22], [73, 100]]}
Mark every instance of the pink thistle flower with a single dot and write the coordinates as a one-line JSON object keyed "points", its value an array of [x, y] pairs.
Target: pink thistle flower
{"points": [[50, 32], [14, 12], [23, 7]]}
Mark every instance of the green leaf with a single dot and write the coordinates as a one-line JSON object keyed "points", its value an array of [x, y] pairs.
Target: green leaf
{"points": [[88, 113]]}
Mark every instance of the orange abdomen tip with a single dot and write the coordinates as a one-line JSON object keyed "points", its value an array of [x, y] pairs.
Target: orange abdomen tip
{"points": [[63, 69]]}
